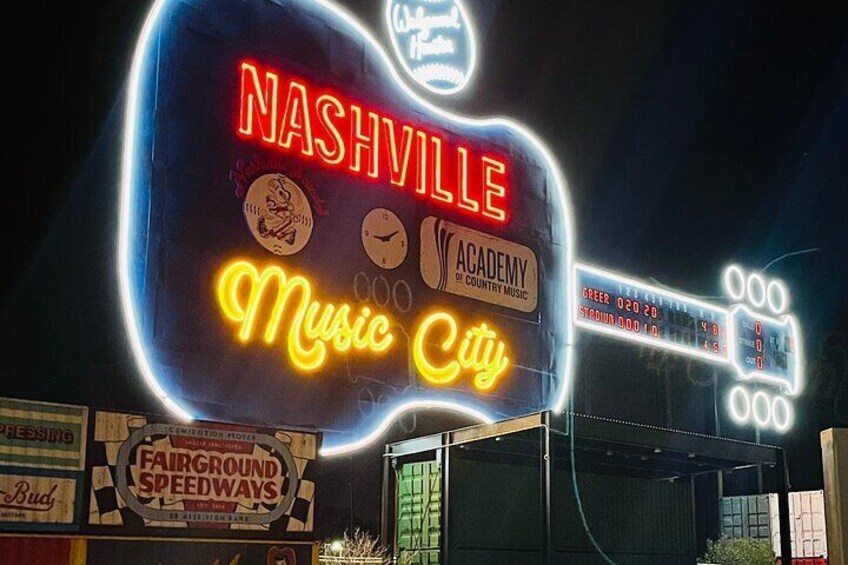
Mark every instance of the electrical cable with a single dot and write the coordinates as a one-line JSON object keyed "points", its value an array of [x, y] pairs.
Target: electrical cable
{"points": [[792, 254], [576, 488]]}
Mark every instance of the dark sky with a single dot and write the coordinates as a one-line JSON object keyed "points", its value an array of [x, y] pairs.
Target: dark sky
{"points": [[691, 134]]}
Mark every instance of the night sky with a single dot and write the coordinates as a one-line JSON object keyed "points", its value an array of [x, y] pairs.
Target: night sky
{"points": [[692, 134]]}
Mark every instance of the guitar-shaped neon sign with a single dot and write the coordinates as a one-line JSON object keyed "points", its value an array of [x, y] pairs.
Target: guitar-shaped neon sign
{"points": [[305, 240]]}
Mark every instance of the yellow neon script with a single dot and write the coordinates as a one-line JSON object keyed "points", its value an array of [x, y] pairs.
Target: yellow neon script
{"points": [[314, 327], [480, 351]]}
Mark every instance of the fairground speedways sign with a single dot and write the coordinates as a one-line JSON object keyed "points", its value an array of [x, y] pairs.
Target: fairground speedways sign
{"points": [[155, 475], [305, 240]]}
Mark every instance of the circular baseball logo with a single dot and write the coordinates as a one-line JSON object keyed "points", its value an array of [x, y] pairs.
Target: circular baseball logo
{"points": [[434, 42], [278, 214]]}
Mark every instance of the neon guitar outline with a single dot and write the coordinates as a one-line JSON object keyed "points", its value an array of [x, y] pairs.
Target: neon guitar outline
{"points": [[557, 397]]}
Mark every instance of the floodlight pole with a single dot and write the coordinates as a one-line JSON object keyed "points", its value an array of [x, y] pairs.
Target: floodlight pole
{"points": [[545, 489], [783, 509], [444, 556], [388, 500]]}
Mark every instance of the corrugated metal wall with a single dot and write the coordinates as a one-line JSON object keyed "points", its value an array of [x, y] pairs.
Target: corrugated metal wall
{"points": [[494, 516], [419, 513], [807, 523], [636, 521], [494, 512], [746, 517]]}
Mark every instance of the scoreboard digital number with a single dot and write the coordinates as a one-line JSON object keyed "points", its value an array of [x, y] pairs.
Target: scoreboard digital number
{"points": [[627, 308], [765, 348]]}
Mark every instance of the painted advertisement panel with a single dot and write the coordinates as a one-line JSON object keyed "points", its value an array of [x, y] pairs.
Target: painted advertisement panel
{"points": [[104, 551], [150, 474], [42, 459]]}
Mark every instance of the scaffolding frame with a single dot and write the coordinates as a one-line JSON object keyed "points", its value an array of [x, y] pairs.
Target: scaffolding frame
{"points": [[648, 452]]}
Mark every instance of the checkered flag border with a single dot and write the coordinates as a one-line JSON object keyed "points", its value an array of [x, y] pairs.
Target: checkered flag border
{"points": [[109, 509]]}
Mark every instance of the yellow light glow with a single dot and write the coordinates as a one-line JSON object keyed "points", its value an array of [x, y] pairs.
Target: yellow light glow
{"points": [[313, 327], [480, 352], [447, 373]]}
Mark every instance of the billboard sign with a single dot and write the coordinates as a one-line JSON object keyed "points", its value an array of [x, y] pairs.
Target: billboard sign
{"points": [[149, 474], [42, 459], [305, 240]]}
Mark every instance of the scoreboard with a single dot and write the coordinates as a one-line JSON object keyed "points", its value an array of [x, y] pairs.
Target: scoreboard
{"points": [[765, 348], [649, 314], [758, 347]]}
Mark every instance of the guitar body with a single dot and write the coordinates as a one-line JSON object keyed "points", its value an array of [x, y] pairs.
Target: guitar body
{"points": [[221, 167]]}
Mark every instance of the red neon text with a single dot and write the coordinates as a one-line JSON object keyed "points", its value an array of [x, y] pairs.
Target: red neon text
{"points": [[297, 118]]}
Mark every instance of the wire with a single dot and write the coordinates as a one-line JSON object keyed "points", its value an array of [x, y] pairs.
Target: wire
{"points": [[671, 288], [574, 485], [792, 254]]}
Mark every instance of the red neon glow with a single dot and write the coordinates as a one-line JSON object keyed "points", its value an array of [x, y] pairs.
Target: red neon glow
{"points": [[296, 121], [292, 116], [324, 105]]}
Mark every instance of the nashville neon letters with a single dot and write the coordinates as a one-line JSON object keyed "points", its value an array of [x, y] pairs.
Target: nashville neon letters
{"points": [[246, 294], [293, 117]]}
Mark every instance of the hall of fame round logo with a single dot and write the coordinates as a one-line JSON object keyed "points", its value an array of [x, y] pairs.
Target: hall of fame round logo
{"points": [[278, 214], [434, 42]]}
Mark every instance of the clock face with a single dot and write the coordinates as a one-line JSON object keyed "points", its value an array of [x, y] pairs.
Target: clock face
{"points": [[384, 238]]}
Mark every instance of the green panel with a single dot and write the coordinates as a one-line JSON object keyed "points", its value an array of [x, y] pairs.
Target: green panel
{"points": [[38, 407], [419, 513], [746, 516], [39, 461], [76, 429]]}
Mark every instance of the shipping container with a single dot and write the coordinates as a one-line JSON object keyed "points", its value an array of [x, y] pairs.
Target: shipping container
{"points": [[419, 519], [495, 507], [756, 516]]}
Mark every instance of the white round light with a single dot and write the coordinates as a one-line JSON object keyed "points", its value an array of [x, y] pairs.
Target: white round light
{"points": [[739, 398], [442, 71], [777, 297], [734, 282], [761, 408], [756, 290], [781, 414]]}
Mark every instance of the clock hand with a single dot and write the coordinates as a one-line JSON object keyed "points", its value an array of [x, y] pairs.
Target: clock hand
{"points": [[386, 238]]}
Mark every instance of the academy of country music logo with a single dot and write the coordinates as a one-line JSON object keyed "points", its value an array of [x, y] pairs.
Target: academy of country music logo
{"points": [[469, 263]]}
